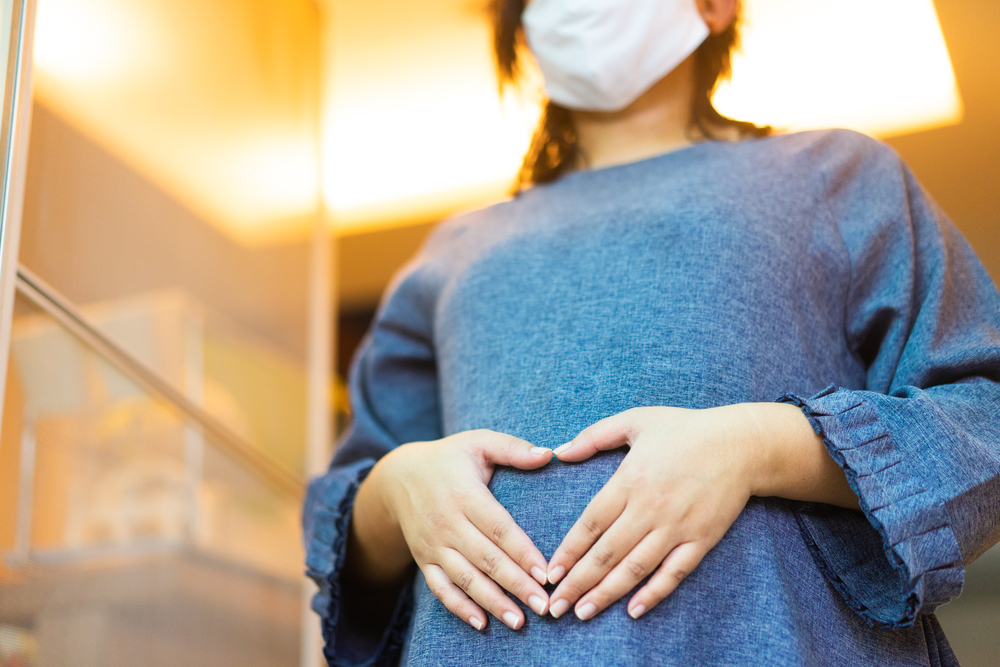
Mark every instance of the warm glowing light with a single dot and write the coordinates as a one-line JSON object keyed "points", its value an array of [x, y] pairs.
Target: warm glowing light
{"points": [[414, 130], [448, 138], [98, 41], [877, 66], [213, 101], [413, 125]]}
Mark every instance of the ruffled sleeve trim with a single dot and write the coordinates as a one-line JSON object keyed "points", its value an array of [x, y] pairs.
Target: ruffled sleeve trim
{"points": [[331, 499], [915, 528]]}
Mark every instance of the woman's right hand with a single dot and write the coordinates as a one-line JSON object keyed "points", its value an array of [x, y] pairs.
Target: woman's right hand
{"points": [[434, 496]]}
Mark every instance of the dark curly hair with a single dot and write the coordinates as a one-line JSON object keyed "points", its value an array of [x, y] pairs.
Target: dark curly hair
{"points": [[553, 150]]}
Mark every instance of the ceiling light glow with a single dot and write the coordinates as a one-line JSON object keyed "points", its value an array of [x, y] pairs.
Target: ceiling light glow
{"points": [[218, 112], [876, 66]]}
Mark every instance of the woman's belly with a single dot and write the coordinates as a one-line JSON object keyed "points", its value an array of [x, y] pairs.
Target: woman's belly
{"points": [[756, 598], [546, 503]]}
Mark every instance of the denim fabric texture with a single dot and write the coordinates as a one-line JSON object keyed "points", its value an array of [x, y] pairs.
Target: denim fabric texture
{"points": [[808, 268]]}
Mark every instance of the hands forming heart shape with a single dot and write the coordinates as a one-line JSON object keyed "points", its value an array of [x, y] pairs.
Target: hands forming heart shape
{"points": [[686, 478]]}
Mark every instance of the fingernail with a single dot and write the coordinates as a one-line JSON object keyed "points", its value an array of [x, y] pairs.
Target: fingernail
{"points": [[586, 611], [476, 623], [511, 619], [537, 603], [539, 451], [562, 448], [558, 608], [539, 574], [637, 611], [556, 574]]}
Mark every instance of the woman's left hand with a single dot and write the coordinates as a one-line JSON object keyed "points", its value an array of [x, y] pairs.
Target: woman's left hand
{"points": [[686, 478]]}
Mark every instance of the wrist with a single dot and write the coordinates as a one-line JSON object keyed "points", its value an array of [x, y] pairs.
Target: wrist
{"points": [[378, 488], [377, 550], [793, 460], [778, 433]]}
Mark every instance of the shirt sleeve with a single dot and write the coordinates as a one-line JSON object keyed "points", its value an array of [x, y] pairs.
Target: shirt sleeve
{"points": [[920, 443], [394, 397]]}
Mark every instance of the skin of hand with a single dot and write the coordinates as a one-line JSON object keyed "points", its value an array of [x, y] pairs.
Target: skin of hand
{"points": [[685, 480], [429, 502]]}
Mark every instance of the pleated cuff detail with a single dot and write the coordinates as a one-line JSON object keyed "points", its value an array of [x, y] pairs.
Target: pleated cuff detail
{"points": [[329, 504], [922, 563]]}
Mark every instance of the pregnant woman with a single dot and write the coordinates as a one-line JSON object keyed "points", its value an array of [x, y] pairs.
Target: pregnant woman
{"points": [[768, 366]]}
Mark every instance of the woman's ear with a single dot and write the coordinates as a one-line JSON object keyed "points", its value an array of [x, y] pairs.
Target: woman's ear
{"points": [[718, 14]]}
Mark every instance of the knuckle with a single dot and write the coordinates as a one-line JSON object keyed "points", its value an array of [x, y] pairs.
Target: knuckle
{"points": [[664, 505], [464, 581], [572, 590], [490, 563], [677, 575], [654, 596], [438, 520], [632, 476], [473, 439], [631, 420], [499, 531], [657, 590], [421, 549], [518, 588], [521, 554], [510, 444], [499, 604], [590, 527], [636, 569], [604, 556]]}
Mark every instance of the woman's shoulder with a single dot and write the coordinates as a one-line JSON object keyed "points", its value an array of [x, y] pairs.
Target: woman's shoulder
{"points": [[447, 247], [833, 150], [463, 228], [466, 234]]}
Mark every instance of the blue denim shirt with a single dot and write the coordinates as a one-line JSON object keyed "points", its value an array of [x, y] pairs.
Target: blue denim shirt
{"points": [[808, 268]]}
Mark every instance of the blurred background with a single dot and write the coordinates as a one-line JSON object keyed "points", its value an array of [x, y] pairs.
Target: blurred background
{"points": [[217, 190]]}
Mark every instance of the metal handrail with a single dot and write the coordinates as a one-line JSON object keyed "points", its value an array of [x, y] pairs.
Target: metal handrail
{"points": [[65, 313]]}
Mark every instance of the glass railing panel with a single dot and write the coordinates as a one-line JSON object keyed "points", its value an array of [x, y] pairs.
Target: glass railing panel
{"points": [[129, 535], [172, 187], [242, 520]]}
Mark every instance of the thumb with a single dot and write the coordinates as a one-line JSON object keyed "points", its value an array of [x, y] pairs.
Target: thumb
{"points": [[506, 450], [609, 433]]}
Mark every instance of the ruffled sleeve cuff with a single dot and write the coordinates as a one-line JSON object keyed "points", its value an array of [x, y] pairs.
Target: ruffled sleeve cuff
{"points": [[917, 563], [326, 519]]}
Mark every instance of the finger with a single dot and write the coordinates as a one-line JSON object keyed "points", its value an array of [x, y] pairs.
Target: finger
{"points": [[606, 553], [678, 565], [499, 567], [496, 523], [625, 576], [452, 597], [609, 433], [483, 590], [506, 450], [602, 511]]}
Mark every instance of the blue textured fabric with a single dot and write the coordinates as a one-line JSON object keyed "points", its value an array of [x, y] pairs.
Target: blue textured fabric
{"points": [[808, 268]]}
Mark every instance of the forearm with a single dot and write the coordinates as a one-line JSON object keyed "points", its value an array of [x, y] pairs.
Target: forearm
{"points": [[791, 460], [377, 553]]}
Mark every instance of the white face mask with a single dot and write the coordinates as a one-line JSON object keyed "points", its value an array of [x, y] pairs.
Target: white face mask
{"points": [[600, 55]]}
